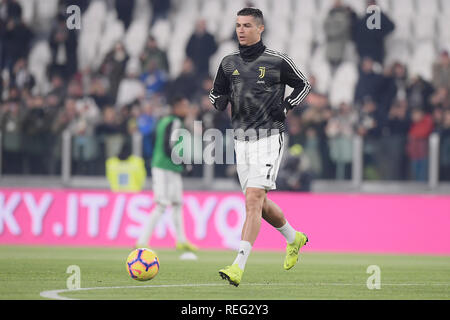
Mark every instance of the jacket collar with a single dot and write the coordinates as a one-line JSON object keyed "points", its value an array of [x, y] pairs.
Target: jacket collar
{"points": [[249, 53]]}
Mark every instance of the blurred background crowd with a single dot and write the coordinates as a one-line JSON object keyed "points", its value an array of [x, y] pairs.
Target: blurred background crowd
{"points": [[114, 77]]}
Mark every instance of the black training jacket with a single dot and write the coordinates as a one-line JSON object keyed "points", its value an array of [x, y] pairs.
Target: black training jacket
{"points": [[255, 84]]}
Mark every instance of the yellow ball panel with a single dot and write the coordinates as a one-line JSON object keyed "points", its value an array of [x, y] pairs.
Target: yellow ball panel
{"points": [[142, 264]]}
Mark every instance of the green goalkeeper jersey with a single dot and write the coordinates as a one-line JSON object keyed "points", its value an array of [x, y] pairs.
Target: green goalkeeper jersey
{"points": [[163, 145]]}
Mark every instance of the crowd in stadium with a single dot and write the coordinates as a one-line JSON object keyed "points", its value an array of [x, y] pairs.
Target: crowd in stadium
{"points": [[393, 109]]}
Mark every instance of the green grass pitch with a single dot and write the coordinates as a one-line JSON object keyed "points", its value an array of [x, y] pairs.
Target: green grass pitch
{"points": [[27, 271]]}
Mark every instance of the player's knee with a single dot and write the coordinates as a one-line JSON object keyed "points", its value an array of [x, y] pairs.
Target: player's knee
{"points": [[177, 205], [254, 200], [161, 205]]}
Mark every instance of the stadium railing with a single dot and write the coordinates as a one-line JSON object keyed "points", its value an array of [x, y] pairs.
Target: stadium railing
{"points": [[208, 180]]}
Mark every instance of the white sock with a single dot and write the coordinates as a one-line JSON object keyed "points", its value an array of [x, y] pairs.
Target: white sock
{"points": [[177, 216], [147, 230], [288, 232], [244, 251]]}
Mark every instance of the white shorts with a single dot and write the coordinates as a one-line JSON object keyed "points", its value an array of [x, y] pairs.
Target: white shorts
{"points": [[167, 186], [258, 161]]}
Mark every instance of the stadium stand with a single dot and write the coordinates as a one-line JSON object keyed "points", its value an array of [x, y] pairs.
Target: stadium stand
{"points": [[420, 40]]}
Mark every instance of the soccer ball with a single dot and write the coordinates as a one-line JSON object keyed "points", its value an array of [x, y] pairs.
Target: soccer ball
{"points": [[142, 264]]}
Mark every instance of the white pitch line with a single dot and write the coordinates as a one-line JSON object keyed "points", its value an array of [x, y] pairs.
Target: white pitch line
{"points": [[55, 294]]}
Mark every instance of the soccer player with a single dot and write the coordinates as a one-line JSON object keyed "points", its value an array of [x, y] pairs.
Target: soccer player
{"points": [[166, 175], [253, 80]]}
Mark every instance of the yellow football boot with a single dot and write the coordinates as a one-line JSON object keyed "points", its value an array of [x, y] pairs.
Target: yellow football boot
{"points": [[292, 250], [232, 273], [186, 246]]}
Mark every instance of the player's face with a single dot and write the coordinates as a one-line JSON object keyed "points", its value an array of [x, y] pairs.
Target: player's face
{"points": [[182, 108], [248, 31]]}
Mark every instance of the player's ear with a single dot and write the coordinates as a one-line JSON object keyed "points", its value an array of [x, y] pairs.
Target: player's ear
{"points": [[261, 28]]}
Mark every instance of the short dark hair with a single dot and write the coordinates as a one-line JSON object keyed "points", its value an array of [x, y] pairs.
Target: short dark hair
{"points": [[254, 12], [125, 151], [174, 100]]}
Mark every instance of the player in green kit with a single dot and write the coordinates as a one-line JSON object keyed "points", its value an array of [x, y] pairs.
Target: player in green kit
{"points": [[166, 176]]}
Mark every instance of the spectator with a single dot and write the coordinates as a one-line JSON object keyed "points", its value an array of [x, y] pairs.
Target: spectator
{"points": [[212, 119], [109, 123], [445, 147], [154, 80], [109, 133], [441, 71], [201, 46], [146, 124], [99, 92], [393, 140], [66, 117], [313, 138], [160, 9], [130, 87], [419, 93], [203, 89], [340, 130], [54, 103], [63, 45], [186, 84], [10, 9], [369, 82], [125, 11], [21, 76], [314, 98], [295, 129], [400, 74], [16, 41], [64, 120], [438, 120], [11, 128], [82, 125], [218, 120], [316, 113], [3, 92], [57, 87], [84, 143], [294, 172], [338, 28], [440, 98], [368, 128], [88, 116], [113, 67], [370, 42], [75, 89], [314, 120], [153, 54], [393, 85], [37, 137], [417, 145], [127, 118], [14, 94], [368, 119]]}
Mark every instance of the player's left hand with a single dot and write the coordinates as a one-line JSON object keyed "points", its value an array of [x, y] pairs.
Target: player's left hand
{"points": [[281, 112], [221, 102]]}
